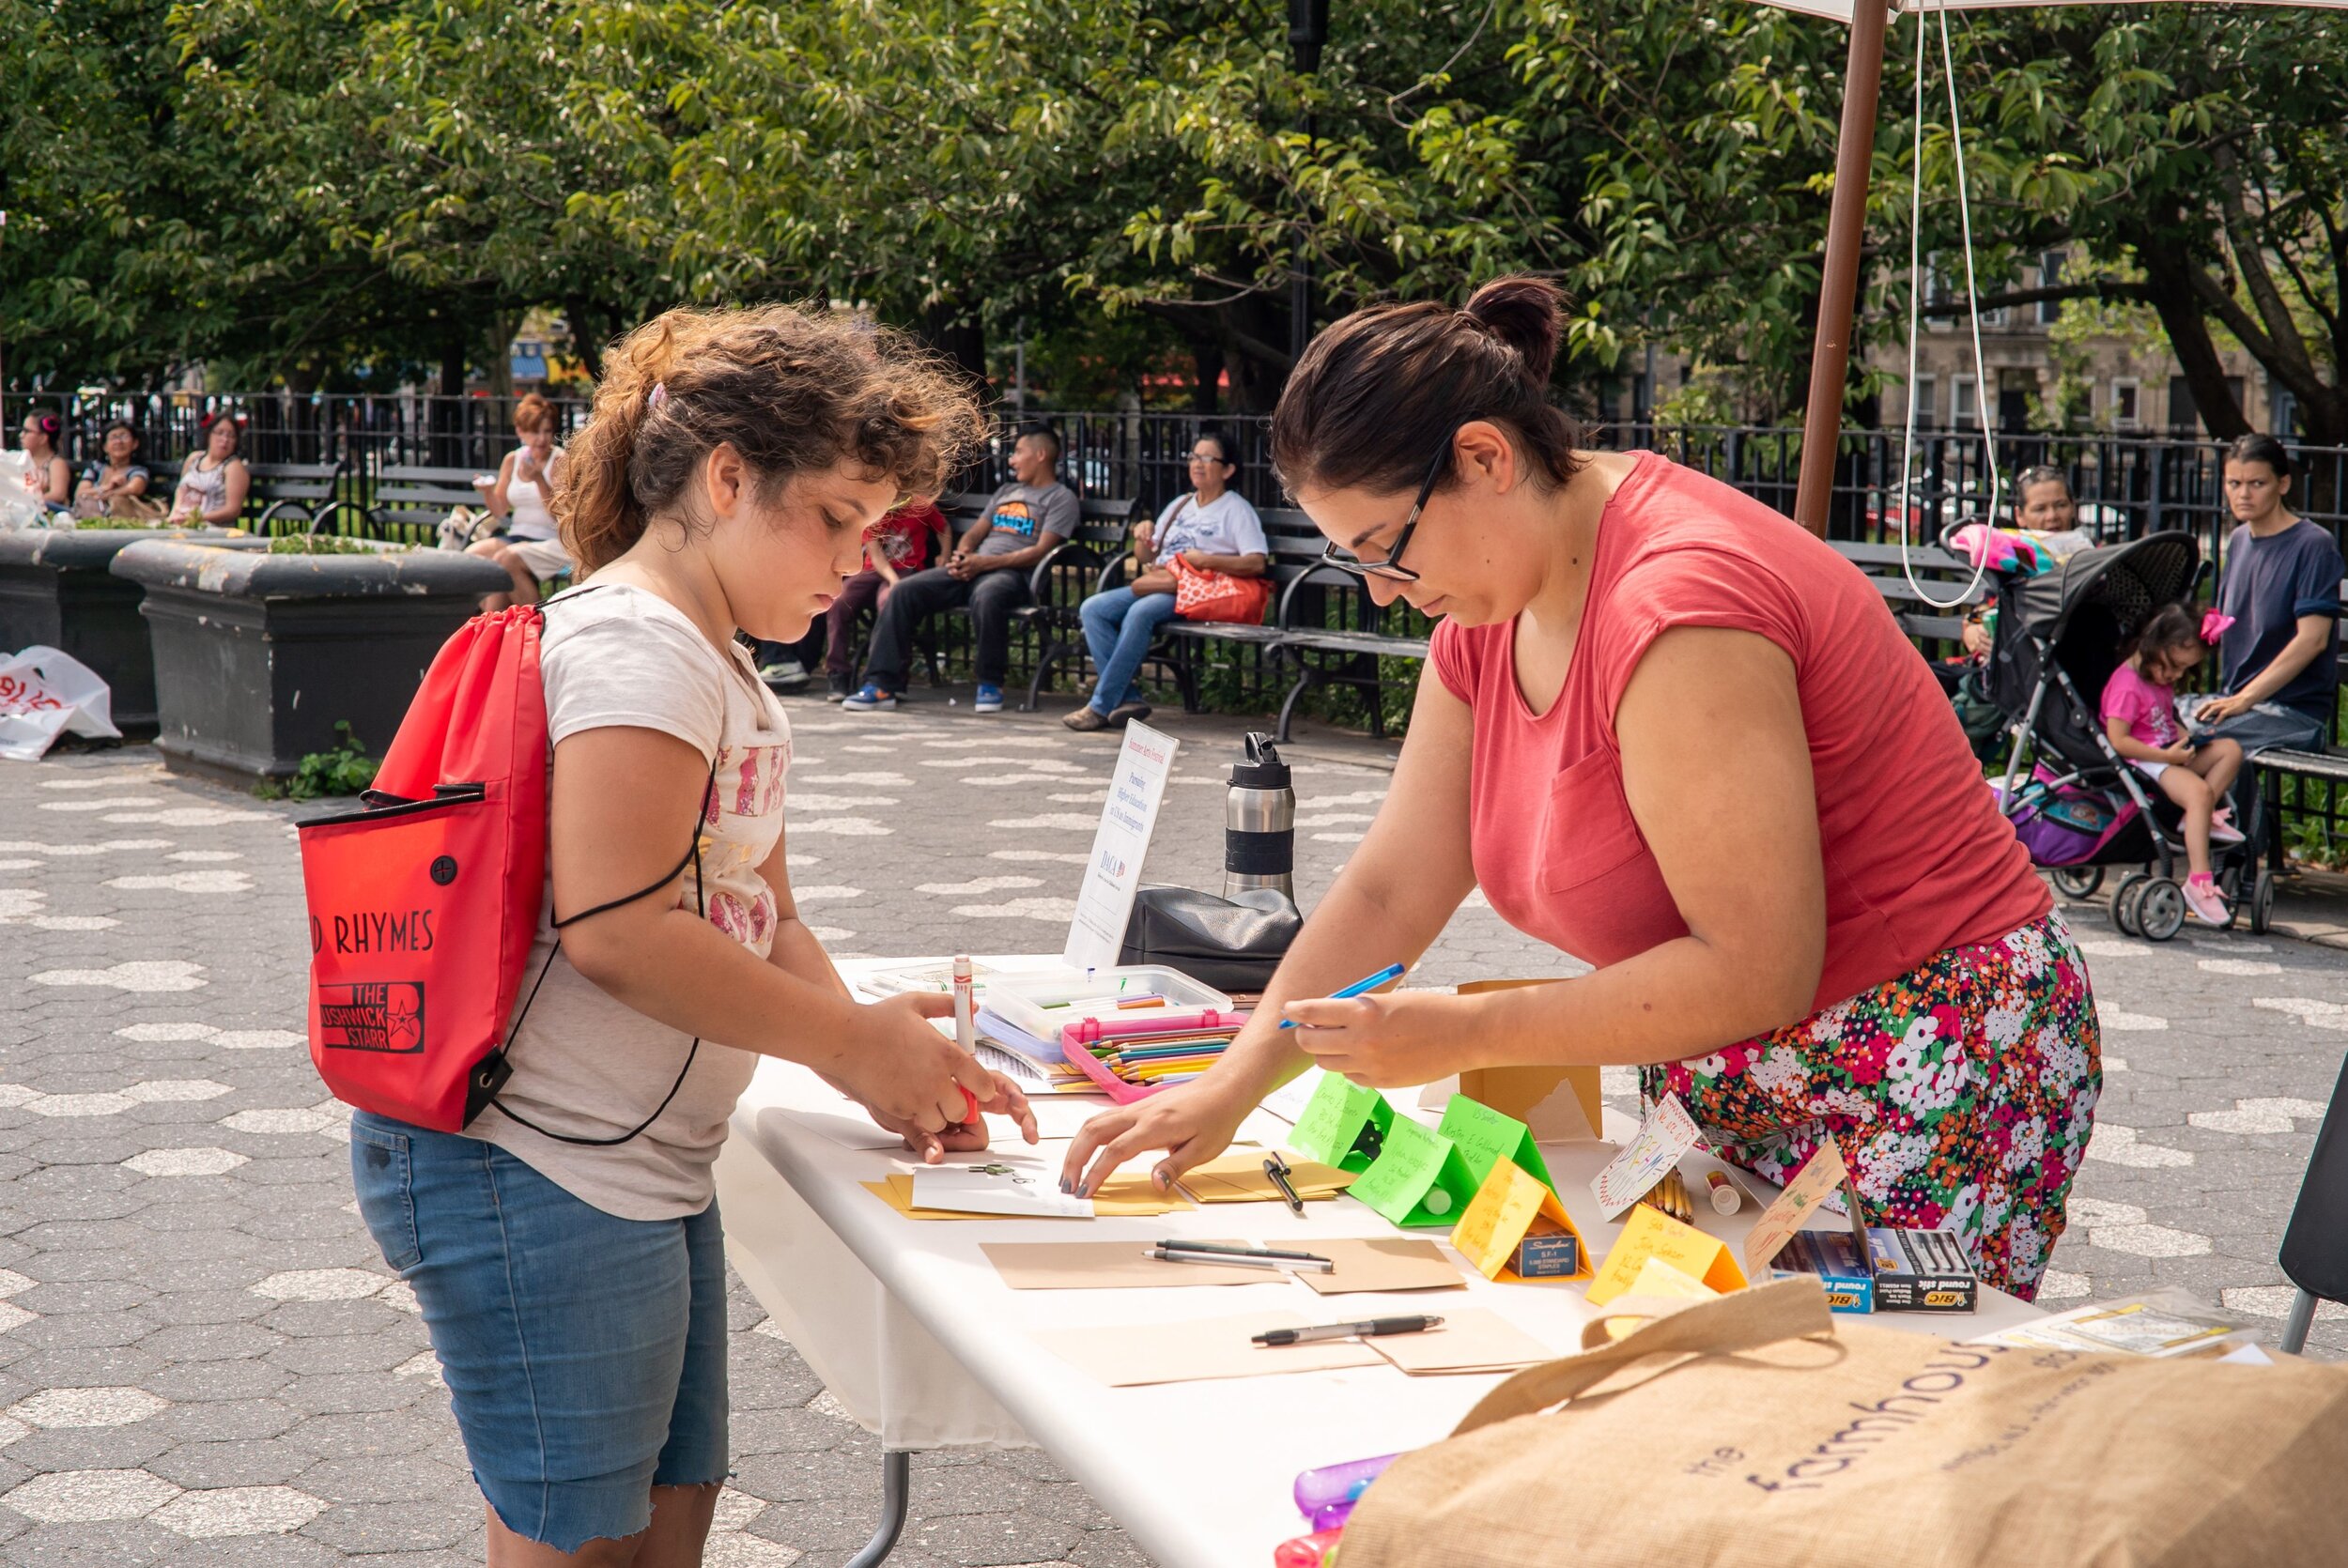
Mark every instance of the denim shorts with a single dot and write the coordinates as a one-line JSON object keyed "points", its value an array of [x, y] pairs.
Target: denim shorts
{"points": [[585, 1354]]}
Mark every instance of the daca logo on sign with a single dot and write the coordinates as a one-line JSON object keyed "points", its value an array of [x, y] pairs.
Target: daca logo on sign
{"points": [[378, 1015]]}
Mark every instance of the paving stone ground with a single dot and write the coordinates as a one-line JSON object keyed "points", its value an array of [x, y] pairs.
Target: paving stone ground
{"points": [[203, 1359]]}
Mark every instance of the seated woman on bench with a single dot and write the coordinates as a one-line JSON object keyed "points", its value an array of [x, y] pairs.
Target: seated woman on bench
{"points": [[531, 549], [1212, 527]]}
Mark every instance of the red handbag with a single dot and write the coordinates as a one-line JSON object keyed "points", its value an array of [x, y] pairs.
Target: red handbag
{"points": [[1201, 594], [424, 906]]}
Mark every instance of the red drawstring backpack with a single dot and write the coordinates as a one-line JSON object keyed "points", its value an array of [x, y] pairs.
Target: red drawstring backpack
{"points": [[424, 906]]}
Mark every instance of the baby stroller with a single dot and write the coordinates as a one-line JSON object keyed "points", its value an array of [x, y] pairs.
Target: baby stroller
{"points": [[2076, 803]]}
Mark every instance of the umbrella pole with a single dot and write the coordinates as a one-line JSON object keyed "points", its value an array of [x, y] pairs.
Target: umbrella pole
{"points": [[1838, 286]]}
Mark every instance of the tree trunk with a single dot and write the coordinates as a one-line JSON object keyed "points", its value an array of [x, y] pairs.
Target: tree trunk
{"points": [[957, 335], [587, 335], [1207, 361], [2181, 317]]}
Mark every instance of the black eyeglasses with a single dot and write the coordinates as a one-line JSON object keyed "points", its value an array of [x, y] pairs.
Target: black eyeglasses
{"points": [[1391, 568]]}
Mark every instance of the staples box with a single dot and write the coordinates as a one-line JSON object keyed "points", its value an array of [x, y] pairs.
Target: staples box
{"points": [[1548, 1252]]}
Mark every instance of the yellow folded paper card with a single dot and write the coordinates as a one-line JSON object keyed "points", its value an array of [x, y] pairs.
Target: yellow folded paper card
{"points": [[1649, 1232], [1658, 1283], [1126, 1197], [1511, 1202], [1238, 1177]]}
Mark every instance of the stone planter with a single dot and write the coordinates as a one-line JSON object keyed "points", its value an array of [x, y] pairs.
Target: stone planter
{"points": [[55, 590], [257, 655]]}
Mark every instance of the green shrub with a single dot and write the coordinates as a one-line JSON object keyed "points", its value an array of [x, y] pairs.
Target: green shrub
{"points": [[344, 771]]}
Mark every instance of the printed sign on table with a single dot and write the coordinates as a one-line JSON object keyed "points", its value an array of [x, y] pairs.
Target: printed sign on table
{"points": [[1105, 903]]}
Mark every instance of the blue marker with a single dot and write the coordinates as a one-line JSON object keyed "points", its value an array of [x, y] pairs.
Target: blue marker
{"points": [[1367, 982]]}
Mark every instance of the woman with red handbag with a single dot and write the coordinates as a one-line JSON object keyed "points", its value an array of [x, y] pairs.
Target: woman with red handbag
{"points": [[1204, 561], [564, 1248]]}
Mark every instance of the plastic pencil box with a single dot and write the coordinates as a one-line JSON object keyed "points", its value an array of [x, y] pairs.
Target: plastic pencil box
{"points": [[1078, 1042], [1043, 1005]]}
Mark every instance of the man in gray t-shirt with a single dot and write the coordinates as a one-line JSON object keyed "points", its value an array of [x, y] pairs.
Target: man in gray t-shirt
{"points": [[987, 570]]}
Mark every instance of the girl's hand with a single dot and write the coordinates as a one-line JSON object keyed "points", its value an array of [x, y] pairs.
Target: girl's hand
{"points": [[1385, 1041], [934, 1146], [1192, 1122], [908, 1074], [2180, 754]]}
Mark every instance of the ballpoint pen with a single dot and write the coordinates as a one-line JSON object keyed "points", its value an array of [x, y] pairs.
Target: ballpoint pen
{"points": [[1243, 1260], [1234, 1250], [1366, 983], [1277, 1169], [1369, 1328]]}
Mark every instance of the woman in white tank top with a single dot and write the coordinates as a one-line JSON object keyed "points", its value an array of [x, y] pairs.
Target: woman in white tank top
{"points": [[531, 549]]}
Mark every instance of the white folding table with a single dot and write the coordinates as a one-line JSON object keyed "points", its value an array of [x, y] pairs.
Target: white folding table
{"points": [[915, 1335]]}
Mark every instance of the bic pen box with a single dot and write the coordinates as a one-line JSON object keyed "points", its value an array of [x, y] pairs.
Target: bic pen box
{"points": [[1921, 1270], [1834, 1256]]}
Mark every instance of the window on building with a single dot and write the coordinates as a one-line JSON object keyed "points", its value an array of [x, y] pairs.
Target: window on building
{"points": [[1962, 412], [1927, 402], [2124, 395], [2049, 276]]}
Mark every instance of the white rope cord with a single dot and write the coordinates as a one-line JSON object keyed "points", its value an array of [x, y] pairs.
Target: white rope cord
{"points": [[1915, 314]]}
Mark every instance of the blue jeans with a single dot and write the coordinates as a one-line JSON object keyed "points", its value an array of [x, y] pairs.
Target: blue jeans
{"points": [[585, 1354], [1119, 626]]}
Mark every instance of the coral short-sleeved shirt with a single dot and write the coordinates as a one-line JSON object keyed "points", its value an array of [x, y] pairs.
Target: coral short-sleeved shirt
{"points": [[1917, 857]]}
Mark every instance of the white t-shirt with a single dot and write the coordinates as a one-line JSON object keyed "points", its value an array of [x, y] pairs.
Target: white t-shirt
{"points": [[585, 1063], [1225, 526]]}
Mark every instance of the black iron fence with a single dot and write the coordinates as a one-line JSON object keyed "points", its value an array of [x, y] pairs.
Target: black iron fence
{"points": [[2128, 486]]}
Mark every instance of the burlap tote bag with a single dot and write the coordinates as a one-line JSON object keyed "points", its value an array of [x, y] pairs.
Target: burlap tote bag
{"points": [[1755, 1432]]}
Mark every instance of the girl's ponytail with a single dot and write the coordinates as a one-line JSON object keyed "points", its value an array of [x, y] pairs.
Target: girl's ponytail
{"points": [[596, 504]]}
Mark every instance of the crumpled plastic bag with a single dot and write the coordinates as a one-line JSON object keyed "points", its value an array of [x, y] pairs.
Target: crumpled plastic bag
{"points": [[44, 694], [20, 503]]}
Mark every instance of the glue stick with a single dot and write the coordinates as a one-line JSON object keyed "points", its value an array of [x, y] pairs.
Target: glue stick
{"points": [[1727, 1199], [966, 1027]]}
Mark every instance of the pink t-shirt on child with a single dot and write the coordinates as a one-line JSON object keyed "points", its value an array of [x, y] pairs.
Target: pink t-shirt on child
{"points": [[2149, 711]]}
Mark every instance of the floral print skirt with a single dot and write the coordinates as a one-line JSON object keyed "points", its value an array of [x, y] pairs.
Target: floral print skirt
{"points": [[1961, 1095]]}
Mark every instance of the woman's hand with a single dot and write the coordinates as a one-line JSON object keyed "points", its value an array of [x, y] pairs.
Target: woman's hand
{"points": [[1192, 1122], [2219, 709], [1387, 1041], [908, 1075]]}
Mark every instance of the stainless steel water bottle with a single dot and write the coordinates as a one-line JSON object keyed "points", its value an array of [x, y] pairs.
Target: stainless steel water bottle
{"points": [[1260, 823]]}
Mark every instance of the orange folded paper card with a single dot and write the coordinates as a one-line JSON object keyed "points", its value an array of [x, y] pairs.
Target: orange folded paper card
{"points": [[1511, 1202], [1649, 1232]]}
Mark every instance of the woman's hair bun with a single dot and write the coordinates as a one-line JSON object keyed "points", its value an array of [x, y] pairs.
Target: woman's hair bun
{"points": [[1527, 315]]}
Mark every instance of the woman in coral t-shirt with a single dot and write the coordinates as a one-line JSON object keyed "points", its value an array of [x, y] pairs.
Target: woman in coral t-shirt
{"points": [[1675, 736]]}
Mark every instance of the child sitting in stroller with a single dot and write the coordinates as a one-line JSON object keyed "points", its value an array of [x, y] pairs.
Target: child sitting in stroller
{"points": [[2140, 714]]}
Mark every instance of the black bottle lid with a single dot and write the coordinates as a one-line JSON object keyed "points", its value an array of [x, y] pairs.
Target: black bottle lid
{"points": [[1259, 766]]}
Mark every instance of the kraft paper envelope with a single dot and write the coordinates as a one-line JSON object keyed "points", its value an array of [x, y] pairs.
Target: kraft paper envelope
{"points": [[1382, 1264], [1109, 1265], [1558, 1104], [1649, 1232], [1470, 1340], [1120, 1197], [1239, 1177], [1129, 1355]]}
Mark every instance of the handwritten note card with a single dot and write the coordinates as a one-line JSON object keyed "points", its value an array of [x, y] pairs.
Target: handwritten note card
{"points": [[1821, 1175], [1668, 1133], [1419, 1179], [1509, 1202], [1649, 1232], [1485, 1136], [1331, 1128]]}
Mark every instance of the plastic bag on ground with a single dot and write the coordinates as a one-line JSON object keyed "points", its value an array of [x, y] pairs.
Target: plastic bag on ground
{"points": [[44, 693]]}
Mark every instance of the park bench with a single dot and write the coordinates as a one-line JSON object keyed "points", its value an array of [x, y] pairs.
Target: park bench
{"points": [[410, 500], [1945, 577], [300, 494]]}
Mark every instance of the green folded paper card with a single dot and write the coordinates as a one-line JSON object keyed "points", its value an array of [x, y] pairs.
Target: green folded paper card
{"points": [[1331, 1130], [1419, 1179], [1484, 1136]]}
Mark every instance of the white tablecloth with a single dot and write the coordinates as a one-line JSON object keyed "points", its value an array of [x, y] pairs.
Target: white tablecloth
{"points": [[917, 1336]]}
